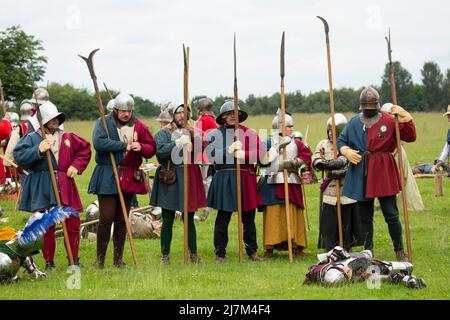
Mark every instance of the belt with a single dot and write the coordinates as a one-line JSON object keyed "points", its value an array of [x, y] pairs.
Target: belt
{"points": [[366, 157]]}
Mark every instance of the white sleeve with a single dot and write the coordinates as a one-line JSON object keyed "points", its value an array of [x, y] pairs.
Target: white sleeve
{"points": [[445, 152]]}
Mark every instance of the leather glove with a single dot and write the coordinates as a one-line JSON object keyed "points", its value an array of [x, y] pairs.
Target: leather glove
{"points": [[351, 155], [237, 145], [72, 171], [403, 115], [44, 146], [333, 164], [336, 174], [183, 140], [293, 164], [239, 154]]}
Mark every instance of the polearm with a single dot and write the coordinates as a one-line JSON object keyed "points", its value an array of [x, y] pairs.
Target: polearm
{"points": [[333, 129], [399, 150], [303, 186], [107, 91], [3, 98], [238, 165], [185, 153], [13, 164], [285, 172], [90, 65], [55, 186]]}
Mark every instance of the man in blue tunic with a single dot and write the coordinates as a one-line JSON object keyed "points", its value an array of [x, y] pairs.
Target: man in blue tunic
{"points": [[171, 141]]}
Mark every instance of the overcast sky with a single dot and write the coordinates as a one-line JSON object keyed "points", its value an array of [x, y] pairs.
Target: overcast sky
{"points": [[141, 42]]}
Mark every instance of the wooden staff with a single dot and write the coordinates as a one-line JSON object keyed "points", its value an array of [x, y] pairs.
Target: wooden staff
{"points": [[54, 184], [399, 150], [90, 65], [185, 152], [238, 164], [303, 186], [333, 129], [13, 164], [285, 172], [3, 98]]}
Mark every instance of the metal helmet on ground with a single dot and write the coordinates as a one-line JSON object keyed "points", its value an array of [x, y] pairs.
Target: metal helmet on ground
{"points": [[340, 121], [26, 109], [124, 102], [40, 96], [227, 107], [203, 105], [110, 105], [369, 99], [49, 111]]}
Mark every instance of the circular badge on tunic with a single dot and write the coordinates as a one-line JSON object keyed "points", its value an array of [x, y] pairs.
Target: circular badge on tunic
{"points": [[383, 129]]}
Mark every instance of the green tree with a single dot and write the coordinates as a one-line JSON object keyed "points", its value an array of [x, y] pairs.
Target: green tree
{"points": [[446, 90], [432, 80], [405, 87], [21, 63]]}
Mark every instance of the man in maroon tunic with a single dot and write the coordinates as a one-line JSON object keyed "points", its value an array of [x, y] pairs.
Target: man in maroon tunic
{"points": [[70, 155], [368, 141]]}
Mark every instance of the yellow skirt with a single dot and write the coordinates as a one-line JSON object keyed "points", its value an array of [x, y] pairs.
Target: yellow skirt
{"points": [[275, 227]]}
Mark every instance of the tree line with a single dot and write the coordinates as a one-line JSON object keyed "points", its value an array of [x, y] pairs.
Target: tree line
{"points": [[22, 64]]}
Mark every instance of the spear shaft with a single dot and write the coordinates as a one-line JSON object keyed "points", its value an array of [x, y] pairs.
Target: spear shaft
{"points": [[185, 152], [285, 172], [399, 150], [90, 65], [333, 128], [238, 165]]}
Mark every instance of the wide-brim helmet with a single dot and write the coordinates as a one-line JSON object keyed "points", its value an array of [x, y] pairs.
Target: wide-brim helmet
{"points": [[49, 111], [227, 107]]}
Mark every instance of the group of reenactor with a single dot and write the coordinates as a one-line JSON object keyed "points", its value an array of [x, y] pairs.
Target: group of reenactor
{"points": [[365, 168]]}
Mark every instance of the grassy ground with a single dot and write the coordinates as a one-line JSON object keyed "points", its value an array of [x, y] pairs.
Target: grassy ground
{"points": [[274, 279]]}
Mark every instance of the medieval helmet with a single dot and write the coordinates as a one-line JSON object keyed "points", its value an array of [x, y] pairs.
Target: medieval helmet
{"points": [[25, 110], [176, 106], [110, 105], [124, 102], [340, 121], [387, 107], [227, 107], [276, 122], [49, 111], [297, 134], [40, 96], [203, 104], [165, 117], [13, 118], [369, 99]]}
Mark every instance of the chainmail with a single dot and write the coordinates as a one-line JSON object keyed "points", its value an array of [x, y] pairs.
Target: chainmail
{"points": [[369, 122]]}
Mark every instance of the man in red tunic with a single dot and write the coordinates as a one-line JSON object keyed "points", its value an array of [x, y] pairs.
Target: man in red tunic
{"points": [[5, 131], [368, 141]]}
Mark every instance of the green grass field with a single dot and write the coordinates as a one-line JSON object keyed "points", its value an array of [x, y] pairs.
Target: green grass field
{"points": [[274, 279]]}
